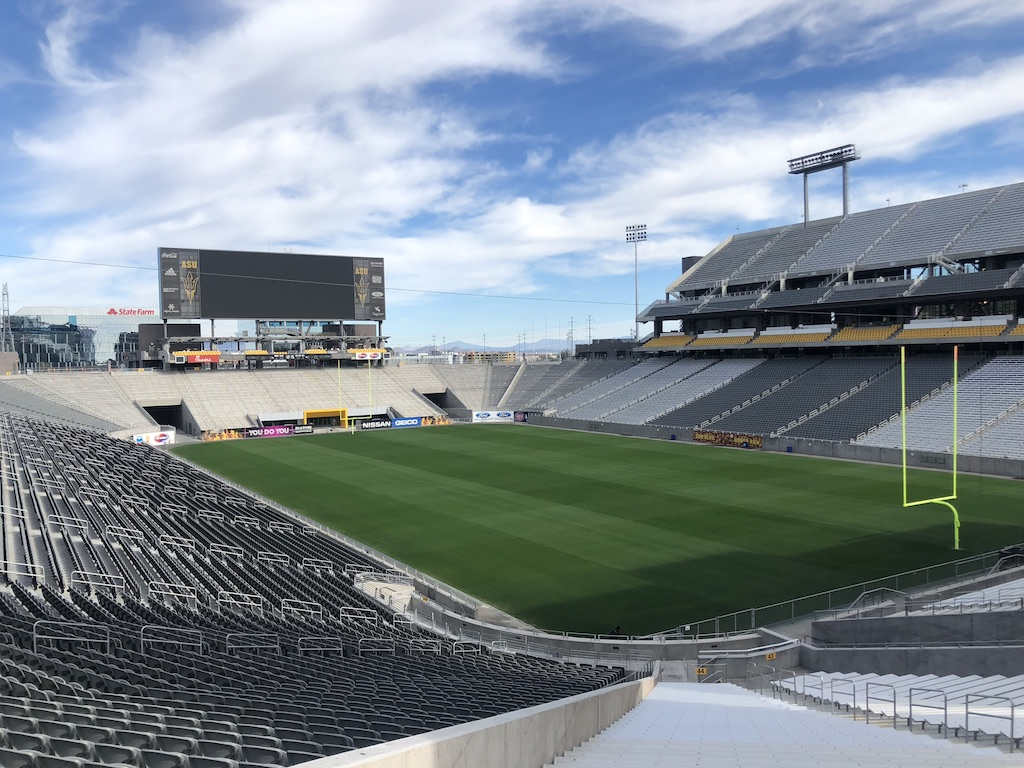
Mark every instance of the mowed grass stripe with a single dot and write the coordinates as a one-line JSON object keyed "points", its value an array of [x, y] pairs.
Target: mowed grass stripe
{"points": [[584, 532]]}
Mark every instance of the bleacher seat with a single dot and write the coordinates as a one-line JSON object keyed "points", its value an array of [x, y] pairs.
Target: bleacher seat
{"points": [[175, 703], [864, 333], [668, 341]]}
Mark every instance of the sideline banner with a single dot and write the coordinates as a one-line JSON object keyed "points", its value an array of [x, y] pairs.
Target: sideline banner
{"points": [[154, 438], [493, 417], [522, 417], [734, 439], [414, 421], [223, 434], [242, 433], [375, 424], [279, 431]]}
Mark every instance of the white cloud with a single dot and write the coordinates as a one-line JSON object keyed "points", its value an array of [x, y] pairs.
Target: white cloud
{"points": [[537, 159], [308, 125], [830, 30]]}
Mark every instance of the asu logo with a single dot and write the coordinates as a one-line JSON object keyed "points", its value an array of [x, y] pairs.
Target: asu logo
{"points": [[190, 282], [362, 289]]}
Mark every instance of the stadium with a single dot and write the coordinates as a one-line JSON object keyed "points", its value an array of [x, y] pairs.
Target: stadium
{"points": [[469, 565]]}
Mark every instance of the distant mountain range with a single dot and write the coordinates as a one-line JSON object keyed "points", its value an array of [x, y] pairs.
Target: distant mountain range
{"points": [[539, 347]]}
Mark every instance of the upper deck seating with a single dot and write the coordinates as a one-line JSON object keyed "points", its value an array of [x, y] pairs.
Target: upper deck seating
{"points": [[867, 291], [791, 297], [966, 282], [928, 228], [731, 256], [849, 241], [787, 250], [999, 227]]}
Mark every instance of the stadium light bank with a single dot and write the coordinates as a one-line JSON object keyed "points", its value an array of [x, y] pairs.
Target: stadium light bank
{"points": [[635, 234], [838, 157]]}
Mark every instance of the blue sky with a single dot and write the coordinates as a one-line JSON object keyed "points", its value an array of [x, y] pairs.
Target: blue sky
{"points": [[491, 152]]}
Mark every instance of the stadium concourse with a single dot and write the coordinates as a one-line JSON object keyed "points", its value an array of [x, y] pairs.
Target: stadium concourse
{"points": [[158, 617]]}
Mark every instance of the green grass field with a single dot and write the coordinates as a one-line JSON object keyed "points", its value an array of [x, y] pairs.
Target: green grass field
{"points": [[584, 532]]}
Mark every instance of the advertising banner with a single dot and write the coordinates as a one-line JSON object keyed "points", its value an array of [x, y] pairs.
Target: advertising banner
{"points": [[410, 422], [223, 434], [155, 438], [734, 439], [493, 417], [204, 356], [279, 431], [435, 421], [375, 424], [522, 417], [368, 354]]}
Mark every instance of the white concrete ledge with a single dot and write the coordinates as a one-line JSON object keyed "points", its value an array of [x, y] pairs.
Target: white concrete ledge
{"points": [[527, 738]]}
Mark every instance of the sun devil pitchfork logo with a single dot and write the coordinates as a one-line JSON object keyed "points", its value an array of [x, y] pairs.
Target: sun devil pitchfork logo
{"points": [[362, 289], [190, 282]]}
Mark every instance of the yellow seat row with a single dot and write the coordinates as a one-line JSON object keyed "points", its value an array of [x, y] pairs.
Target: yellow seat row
{"points": [[966, 332], [668, 341], [792, 338], [720, 341], [872, 333]]}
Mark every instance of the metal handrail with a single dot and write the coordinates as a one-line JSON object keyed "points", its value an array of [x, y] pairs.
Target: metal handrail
{"points": [[746, 620], [853, 694], [985, 697], [868, 698], [944, 708]]}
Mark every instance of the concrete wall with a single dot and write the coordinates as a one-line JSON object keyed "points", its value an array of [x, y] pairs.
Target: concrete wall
{"points": [[984, 465], [987, 627], [529, 738], [924, 459], [629, 430], [600, 650], [8, 363], [966, 660]]}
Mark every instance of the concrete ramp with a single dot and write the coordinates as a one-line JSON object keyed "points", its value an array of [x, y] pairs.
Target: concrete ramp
{"points": [[725, 726]]}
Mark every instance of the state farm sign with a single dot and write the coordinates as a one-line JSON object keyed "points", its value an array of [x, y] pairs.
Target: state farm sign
{"points": [[131, 312]]}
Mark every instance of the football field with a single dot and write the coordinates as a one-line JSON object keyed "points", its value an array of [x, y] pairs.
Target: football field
{"points": [[587, 532]]}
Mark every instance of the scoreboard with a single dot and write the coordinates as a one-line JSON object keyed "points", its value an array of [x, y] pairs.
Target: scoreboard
{"points": [[200, 284]]}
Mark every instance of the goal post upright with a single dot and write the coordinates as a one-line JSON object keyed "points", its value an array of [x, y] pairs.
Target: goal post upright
{"points": [[943, 500]]}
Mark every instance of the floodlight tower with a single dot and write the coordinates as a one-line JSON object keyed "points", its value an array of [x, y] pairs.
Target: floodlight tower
{"points": [[635, 234], [840, 157], [6, 336]]}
